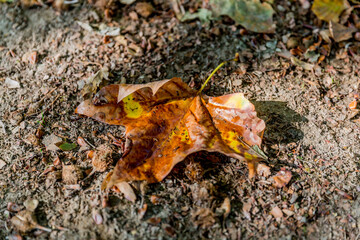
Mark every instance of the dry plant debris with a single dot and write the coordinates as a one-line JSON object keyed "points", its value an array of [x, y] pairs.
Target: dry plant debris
{"points": [[167, 120], [329, 10], [25, 220]]}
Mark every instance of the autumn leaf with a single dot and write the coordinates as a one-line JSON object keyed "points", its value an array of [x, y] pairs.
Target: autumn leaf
{"points": [[167, 120], [329, 10], [254, 15]]}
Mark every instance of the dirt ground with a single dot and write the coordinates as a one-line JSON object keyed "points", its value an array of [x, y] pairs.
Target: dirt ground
{"points": [[309, 130]]}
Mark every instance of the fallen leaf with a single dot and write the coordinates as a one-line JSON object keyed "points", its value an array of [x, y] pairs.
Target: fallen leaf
{"points": [[282, 178], [2, 164], [263, 170], [127, 190], [145, 9], [344, 194], [97, 80], [339, 32], [166, 121], [11, 83], [276, 212], [329, 10], [30, 57], [65, 146], [288, 212], [225, 207], [51, 141], [302, 64], [352, 106], [142, 211], [254, 15]]}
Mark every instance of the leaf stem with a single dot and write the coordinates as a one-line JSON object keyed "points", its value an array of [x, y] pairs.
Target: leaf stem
{"points": [[216, 69]]}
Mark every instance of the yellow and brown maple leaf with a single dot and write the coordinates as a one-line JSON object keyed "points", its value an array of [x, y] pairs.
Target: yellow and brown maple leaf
{"points": [[167, 120]]}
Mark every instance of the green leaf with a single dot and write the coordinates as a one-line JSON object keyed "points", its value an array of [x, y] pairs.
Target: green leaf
{"points": [[65, 146], [251, 14]]}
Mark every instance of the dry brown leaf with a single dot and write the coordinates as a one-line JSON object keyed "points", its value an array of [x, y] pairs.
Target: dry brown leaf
{"points": [[282, 178], [302, 64], [166, 121], [339, 32], [263, 170], [145, 9], [276, 212]]}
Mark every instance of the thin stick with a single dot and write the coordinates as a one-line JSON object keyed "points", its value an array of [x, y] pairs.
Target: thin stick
{"points": [[216, 69]]}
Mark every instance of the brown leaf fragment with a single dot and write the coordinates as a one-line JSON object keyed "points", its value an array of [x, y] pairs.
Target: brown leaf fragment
{"points": [[71, 174], [166, 121], [288, 212], [225, 207], [263, 170], [2, 164], [282, 178], [127, 190], [154, 220], [145, 9], [30, 57], [99, 79], [339, 32], [142, 211], [51, 141], [276, 212], [302, 64], [246, 209], [203, 217], [344, 194], [102, 158]]}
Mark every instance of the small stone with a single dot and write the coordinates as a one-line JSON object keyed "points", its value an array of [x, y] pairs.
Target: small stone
{"points": [[144, 9]]}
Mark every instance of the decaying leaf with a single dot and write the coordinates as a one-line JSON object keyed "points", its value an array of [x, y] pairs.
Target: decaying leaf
{"points": [[25, 220], [302, 64], [225, 207], [203, 217], [282, 178], [167, 120], [71, 174], [252, 14], [339, 32], [329, 10], [97, 80], [51, 142]]}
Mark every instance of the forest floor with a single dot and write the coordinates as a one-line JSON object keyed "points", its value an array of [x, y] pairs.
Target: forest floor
{"points": [[309, 128]]}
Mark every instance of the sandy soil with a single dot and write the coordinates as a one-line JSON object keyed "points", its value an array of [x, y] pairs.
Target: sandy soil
{"points": [[309, 130]]}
